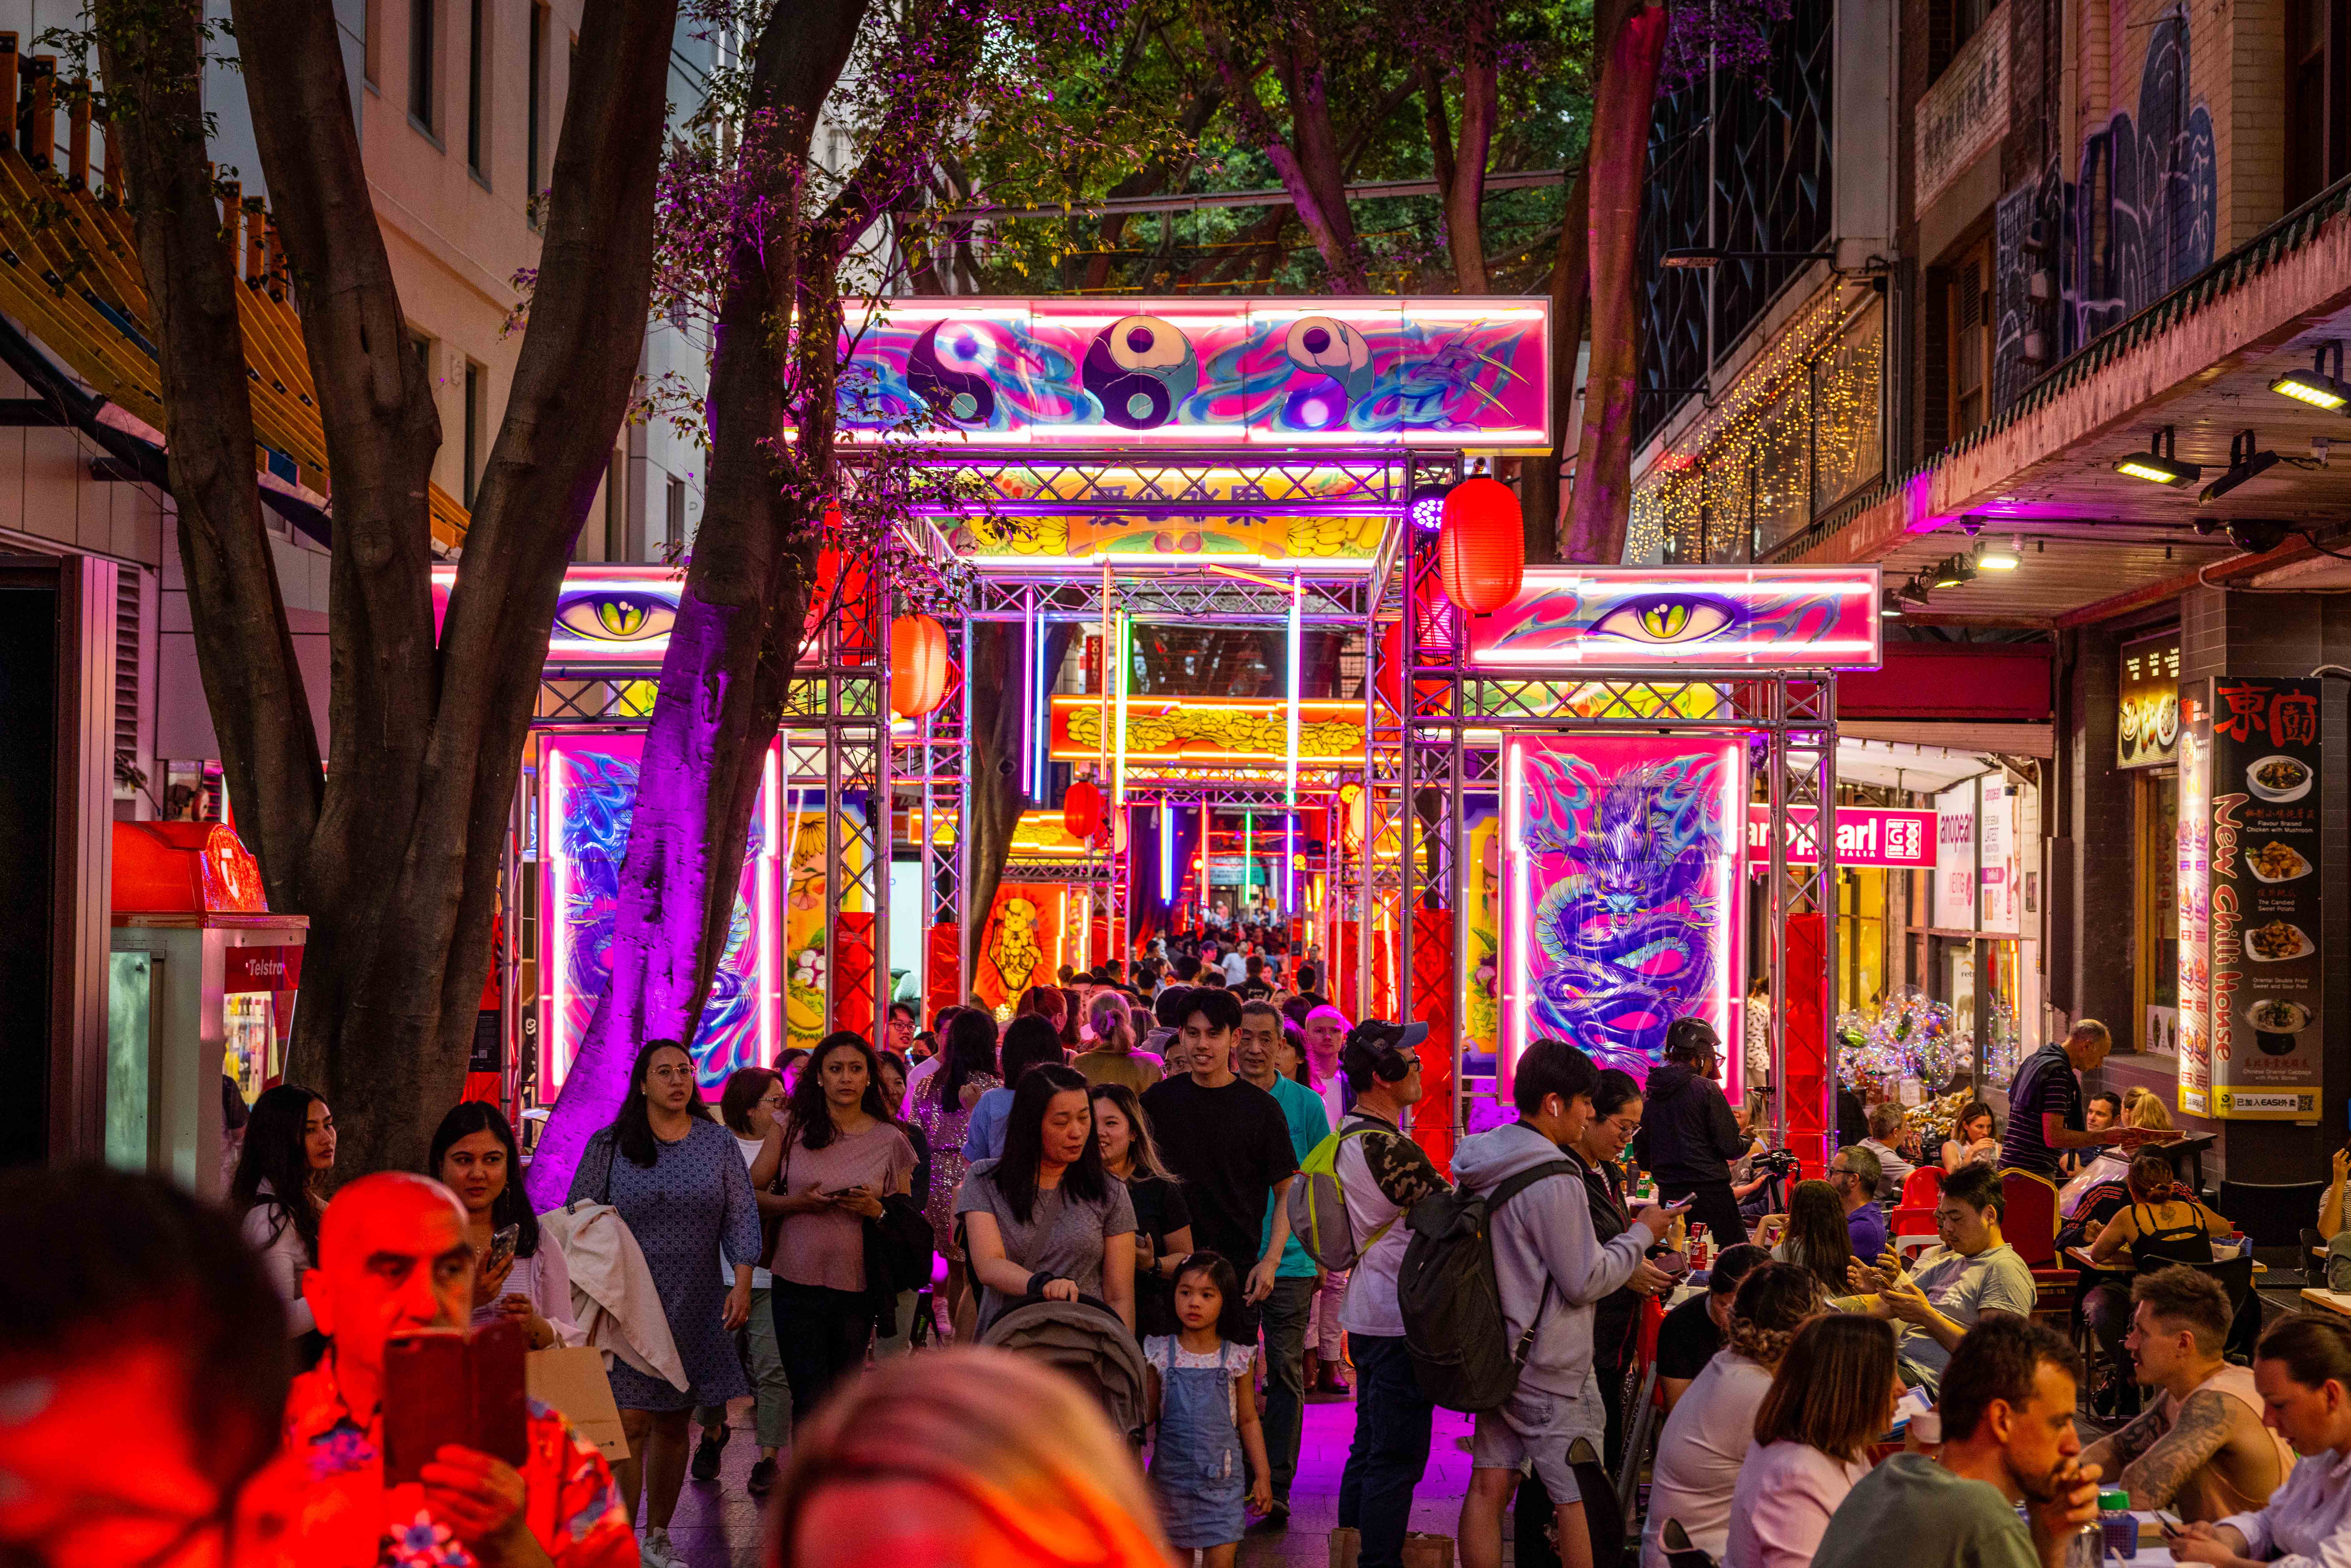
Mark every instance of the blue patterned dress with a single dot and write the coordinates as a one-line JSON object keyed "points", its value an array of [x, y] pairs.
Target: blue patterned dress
{"points": [[695, 1201]]}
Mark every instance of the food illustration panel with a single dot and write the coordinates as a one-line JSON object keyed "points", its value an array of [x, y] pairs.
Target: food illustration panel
{"points": [[2260, 816]]}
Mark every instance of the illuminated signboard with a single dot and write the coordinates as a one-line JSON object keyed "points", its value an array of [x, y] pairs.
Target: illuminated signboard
{"points": [[1204, 372], [1866, 836], [1180, 731], [1622, 894], [610, 614], [1760, 617]]}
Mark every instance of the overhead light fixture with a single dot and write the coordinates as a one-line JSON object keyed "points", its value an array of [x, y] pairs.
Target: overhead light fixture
{"points": [[1913, 591], [2319, 386], [1889, 603], [1427, 509], [2244, 464], [1693, 258], [1999, 558], [2158, 463], [1953, 571]]}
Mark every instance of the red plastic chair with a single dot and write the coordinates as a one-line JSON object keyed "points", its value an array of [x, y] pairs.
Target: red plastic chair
{"points": [[1922, 1187], [2028, 1219]]}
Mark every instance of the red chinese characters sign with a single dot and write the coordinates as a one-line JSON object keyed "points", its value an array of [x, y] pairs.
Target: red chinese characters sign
{"points": [[2250, 966]]}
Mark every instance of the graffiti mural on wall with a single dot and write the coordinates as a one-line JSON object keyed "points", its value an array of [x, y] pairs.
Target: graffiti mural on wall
{"points": [[2139, 219]]}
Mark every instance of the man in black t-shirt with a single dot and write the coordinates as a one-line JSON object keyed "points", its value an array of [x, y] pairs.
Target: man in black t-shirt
{"points": [[1693, 1331], [2044, 1105], [1229, 1142]]}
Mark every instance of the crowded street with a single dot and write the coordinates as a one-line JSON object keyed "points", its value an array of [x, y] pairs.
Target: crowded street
{"points": [[1105, 784]]}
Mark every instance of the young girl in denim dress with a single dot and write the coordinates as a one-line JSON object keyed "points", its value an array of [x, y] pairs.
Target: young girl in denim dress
{"points": [[1210, 1448]]}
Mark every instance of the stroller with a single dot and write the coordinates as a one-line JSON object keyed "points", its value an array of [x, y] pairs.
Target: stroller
{"points": [[1086, 1341]]}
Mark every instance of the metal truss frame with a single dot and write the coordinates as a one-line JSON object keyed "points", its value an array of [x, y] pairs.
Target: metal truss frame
{"points": [[1190, 593], [1449, 745], [1154, 483]]}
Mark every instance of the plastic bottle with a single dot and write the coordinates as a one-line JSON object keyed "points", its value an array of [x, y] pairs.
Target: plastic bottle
{"points": [[2116, 1523]]}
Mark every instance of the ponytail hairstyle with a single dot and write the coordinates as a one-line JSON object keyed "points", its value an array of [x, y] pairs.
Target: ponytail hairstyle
{"points": [[2151, 1179], [1773, 1303], [1112, 1021]]}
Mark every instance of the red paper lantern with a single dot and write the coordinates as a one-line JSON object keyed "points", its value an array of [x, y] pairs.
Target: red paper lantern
{"points": [[918, 666], [1082, 811], [1481, 548]]}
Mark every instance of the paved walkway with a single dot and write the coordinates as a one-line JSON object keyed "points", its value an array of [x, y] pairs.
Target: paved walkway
{"points": [[719, 1526]]}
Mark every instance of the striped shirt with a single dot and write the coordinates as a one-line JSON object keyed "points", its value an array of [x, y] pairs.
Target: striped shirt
{"points": [[2044, 1085]]}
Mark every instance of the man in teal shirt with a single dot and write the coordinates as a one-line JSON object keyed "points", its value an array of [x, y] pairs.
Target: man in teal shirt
{"points": [[2006, 1411], [1285, 1312]]}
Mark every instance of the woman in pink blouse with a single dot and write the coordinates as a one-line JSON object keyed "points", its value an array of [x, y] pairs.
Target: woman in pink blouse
{"points": [[1831, 1397]]}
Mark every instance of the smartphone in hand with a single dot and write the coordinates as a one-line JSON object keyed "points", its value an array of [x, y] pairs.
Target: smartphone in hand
{"points": [[445, 1386]]}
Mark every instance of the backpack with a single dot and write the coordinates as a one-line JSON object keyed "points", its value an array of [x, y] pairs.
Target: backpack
{"points": [[1451, 1300], [1318, 1207]]}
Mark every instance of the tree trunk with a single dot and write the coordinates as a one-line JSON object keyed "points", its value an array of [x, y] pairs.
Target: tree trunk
{"points": [[740, 617], [1313, 172], [1540, 487], [1617, 164], [395, 858], [1465, 191]]}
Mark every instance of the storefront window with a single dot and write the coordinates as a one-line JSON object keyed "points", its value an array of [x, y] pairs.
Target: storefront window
{"points": [[1847, 452], [1861, 939]]}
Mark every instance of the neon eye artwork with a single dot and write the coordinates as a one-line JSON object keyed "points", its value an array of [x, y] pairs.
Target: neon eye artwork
{"points": [[1670, 618], [602, 615]]}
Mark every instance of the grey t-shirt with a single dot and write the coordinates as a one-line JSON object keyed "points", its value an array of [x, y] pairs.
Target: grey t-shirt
{"points": [[1061, 1237], [1914, 1501], [1964, 1288]]}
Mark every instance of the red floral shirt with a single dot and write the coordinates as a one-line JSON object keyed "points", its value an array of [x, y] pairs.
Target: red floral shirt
{"points": [[344, 1517]]}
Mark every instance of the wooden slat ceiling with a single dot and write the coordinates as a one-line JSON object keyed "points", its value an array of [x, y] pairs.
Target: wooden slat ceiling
{"points": [[2064, 568], [69, 271]]}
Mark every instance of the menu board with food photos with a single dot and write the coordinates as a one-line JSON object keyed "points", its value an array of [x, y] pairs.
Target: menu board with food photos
{"points": [[2252, 746], [2149, 733]]}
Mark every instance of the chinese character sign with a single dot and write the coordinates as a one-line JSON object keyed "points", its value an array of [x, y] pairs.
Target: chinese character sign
{"points": [[2255, 802]]}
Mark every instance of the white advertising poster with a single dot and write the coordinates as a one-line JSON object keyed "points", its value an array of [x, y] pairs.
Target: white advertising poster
{"points": [[1954, 906], [1995, 841]]}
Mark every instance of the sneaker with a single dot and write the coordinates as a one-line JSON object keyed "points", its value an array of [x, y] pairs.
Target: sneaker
{"points": [[763, 1476], [705, 1455], [656, 1552]]}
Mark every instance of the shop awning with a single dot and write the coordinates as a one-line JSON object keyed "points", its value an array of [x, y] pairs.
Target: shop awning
{"points": [[69, 271], [2201, 361]]}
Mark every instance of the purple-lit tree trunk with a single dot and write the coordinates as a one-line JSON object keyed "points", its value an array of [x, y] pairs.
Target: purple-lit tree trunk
{"points": [[1617, 166], [1540, 488], [744, 605]]}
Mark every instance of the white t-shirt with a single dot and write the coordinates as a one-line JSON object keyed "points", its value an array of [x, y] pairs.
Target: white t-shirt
{"points": [[1235, 967], [760, 1278], [1699, 1454], [1782, 1507]]}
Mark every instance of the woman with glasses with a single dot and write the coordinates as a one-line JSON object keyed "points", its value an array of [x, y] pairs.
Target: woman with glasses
{"points": [[1615, 1317]]}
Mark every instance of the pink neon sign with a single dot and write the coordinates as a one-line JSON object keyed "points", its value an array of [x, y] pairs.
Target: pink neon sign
{"points": [[1622, 894], [1866, 836], [1754, 617]]}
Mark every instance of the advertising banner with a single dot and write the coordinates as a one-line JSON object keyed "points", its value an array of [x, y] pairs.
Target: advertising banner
{"points": [[1954, 903], [2148, 732], [2259, 807], [1866, 836], [1622, 894], [2194, 870]]}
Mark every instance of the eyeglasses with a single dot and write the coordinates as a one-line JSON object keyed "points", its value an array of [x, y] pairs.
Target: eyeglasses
{"points": [[1624, 1126]]}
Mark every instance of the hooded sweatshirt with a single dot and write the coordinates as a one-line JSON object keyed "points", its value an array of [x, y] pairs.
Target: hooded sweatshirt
{"points": [[1542, 1235], [1687, 1132]]}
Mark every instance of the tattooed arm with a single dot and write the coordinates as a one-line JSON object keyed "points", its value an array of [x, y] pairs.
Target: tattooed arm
{"points": [[2117, 1448], [2155, 1477]]}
